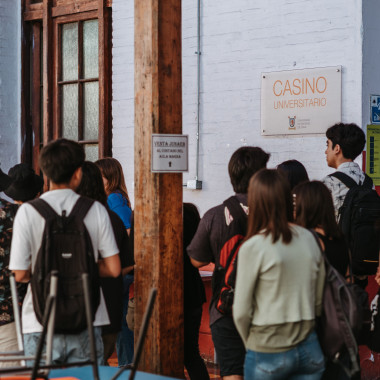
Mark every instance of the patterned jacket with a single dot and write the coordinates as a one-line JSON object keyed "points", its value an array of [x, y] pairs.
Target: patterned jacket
{"points": [[7, 214]]}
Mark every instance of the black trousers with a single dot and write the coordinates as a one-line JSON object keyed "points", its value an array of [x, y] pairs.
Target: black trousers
{"points": [[194, 363]]}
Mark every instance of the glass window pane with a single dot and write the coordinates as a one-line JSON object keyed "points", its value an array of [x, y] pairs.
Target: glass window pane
{"points": [[90, 49], [70, 51], [92, 152], [70, 111], [91, 110]]}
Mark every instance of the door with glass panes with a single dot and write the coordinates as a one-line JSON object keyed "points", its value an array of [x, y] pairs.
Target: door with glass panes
{"points": [[76, 91], [66, 70]]}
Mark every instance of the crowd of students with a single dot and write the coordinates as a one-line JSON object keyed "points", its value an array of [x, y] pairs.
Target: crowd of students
{"points": [[270, 333], [280, 271]]}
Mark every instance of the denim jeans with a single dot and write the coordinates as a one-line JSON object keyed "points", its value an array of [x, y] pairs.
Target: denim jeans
{"points": [[67, 348], [304, 362], [124, 343]]}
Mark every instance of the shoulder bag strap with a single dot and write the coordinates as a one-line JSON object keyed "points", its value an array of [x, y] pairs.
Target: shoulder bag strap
{"points": [[351, 276], [346, 179]]}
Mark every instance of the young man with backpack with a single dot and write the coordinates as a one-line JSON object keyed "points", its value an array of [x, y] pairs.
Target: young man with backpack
{"points": [[218, 239], [61, 162], [356, 203]]}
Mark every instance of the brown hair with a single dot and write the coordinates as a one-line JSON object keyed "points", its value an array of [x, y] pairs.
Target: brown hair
{"points": [[314, 208], [91, 185], [59, 159], [113, 172], [243, 164], [270, 205]]}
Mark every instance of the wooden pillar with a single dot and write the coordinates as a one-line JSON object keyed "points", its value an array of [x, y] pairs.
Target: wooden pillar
{"points": [[158, 197], [47, 73]]}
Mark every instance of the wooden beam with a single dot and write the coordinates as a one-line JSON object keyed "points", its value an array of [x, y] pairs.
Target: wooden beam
{"points": [[26, 135], [158, 197], [47, 27], [36, 95], [75, 8], [105, 79], [33, 15]]}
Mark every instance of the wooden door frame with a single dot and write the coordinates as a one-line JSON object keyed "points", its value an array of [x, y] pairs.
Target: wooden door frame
{"points": [[46, 12]]}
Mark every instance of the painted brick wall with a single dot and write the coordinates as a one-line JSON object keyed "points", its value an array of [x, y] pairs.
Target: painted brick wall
{"points": [[9, 83], [240, 40], [371, 72]]}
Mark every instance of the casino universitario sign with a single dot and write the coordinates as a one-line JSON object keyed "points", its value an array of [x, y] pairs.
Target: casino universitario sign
{"points": [[300, 101]]}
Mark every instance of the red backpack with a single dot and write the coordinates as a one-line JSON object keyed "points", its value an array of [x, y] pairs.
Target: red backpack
{"points": [[224, 276]]}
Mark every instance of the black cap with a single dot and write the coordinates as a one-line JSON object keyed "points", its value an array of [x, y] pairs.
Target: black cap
{"points": [[26, 184], [5, 181]]}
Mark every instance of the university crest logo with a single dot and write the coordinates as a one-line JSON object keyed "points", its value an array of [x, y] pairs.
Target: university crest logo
{"points": [[292, 122]]}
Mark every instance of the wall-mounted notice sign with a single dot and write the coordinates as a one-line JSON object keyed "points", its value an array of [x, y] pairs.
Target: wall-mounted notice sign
{"points": [[375, 109], [170, 153], [301, 101], [373, 153]]}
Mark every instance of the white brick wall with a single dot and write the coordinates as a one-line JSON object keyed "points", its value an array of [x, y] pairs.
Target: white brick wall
{"points": [[123, 87], [10, 39], [371, 71], [241, 39]]}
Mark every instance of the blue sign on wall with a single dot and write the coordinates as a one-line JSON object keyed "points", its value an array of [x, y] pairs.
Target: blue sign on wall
{"points": [[375, 109]]}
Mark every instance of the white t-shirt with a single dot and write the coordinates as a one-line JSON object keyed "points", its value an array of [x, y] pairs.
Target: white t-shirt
{"points": [[28, 229]]}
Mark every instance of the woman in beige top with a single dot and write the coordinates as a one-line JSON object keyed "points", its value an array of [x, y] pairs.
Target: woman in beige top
{"points": [[279, 286]]}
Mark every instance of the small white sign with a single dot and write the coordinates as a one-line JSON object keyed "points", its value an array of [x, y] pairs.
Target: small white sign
{"points": [[301, 101], [170, 153]]}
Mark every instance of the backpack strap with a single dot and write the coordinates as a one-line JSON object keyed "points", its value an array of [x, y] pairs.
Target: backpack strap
{"points": [[81, 207], [237, 212], [368, 182], [318, 240], [345, 178], [43, 208]]}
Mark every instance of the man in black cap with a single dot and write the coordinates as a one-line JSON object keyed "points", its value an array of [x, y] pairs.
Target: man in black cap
{"points": [[25, 183], [21, 184]]}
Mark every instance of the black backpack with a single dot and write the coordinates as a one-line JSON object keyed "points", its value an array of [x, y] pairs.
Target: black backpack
{"points": [[65, 247], [374, 334], [359, 219], [224, 276], [345, 318]]}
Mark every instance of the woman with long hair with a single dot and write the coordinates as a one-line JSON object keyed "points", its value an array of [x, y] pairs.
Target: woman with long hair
{"points": [[279, 287], [116, 189], [91, 186], [314, 209], [294, 171], [118, 201]]}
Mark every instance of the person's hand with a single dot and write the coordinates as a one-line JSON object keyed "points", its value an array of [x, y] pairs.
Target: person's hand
{"points": [[377, 276]]}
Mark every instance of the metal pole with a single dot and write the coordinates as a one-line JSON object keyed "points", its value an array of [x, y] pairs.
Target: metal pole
{"points": [[90, 327], [51, 323], [16, 312], [198, 85]]}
